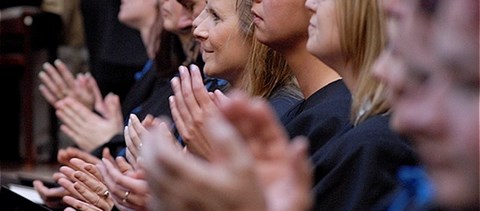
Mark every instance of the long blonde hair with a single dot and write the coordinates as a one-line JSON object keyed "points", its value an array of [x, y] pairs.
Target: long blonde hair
{"points": [[362, 39], [266, 70]]}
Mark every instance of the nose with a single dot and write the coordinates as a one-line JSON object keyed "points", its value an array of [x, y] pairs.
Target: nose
{"points": [[311, 5], [389, 69], [199, 31]]}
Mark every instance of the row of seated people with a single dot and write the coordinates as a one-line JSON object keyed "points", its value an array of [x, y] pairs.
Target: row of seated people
{"points": [[346, 115]]}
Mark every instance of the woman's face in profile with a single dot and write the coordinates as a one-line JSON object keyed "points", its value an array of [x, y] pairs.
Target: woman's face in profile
{"points": [[280, 24], [134, 13], [225, 48]]}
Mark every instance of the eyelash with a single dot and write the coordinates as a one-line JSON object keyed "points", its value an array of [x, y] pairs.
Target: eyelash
{"points": [[214, 16]]}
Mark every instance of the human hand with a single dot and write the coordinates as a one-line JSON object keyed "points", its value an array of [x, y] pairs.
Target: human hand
{"points": [[218, 97], [128, 189], [191, 104], [86, 128], [282, 166], [52, 197], [95, 193], [133, 133], [181, 181], [65, 155], [85, 185], [57, 82]]}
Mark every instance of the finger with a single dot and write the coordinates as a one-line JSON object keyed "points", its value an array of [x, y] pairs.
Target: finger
{"points": [[220, 97], [92, 183], [46, 193], [79, 205], [129, 183], [106, 154], [93, 87], [199, 90], [137, 130], [65, 73], [131, 149], [69, 209], [50, 77], [68, 185], [67, 171], [72, 152], [181, 106], [187, 91], [177, 118], [91, 197], [58, 175], [130, 157], [116, 192], [93, 170], [124, 188], [55, 74], [47, 94], [147, 121], [229, 144], [68, 115], [123, 166], [79, 165], [254, 118]]}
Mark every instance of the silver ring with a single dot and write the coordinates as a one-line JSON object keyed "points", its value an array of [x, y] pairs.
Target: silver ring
{"points": [[106, 194], [126, 196]]}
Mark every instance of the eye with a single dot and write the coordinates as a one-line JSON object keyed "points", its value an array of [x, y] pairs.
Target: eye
{"points": [[215, 17], [428, 6], [418, 76]]}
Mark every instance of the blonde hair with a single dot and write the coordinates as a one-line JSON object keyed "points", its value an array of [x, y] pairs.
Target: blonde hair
{"points": [[266, 70], [362, 39]]}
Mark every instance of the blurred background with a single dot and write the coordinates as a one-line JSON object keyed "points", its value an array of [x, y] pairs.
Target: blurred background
{"points": [[33, 32]]}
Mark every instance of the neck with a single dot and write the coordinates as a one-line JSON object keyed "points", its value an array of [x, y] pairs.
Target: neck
{"points": [[145, 33], [239, 82], [345, 70], [311, 73], [187, 42]]}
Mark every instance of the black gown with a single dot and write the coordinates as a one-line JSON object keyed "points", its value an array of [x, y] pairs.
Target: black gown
{"points": [[358, 168]]}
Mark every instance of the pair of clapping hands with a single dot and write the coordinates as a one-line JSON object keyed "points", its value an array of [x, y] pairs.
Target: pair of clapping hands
{"points": [[86, 117], [240, 157]]}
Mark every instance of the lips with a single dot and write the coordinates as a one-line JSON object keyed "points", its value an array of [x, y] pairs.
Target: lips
{"points": [[205, 50], [256, 17]]}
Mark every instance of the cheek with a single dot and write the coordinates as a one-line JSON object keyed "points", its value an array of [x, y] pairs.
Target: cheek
{"points": [[464, 124]]}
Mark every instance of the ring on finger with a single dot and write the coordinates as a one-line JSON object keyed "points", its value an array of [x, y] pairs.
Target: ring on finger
{"points": [[106, 194], [125, 197]]}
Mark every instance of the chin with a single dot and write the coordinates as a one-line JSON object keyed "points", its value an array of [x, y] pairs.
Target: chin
{"points": [[455, 190]]}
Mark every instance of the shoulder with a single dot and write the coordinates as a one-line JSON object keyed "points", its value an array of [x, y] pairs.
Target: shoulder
{"points": [[372, 138]]}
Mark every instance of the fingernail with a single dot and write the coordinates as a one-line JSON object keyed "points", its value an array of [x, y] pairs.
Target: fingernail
{"points": [[45, 65]]}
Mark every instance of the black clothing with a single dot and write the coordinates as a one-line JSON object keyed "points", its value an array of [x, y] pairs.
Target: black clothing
{"points": [[358, 167], [321, 116], [116, 51]]}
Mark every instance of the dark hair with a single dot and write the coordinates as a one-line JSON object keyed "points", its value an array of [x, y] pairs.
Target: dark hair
{"points": [[170, 56]]}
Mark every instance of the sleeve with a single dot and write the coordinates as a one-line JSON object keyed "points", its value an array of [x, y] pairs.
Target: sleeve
{"points": [[115, 145]]}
